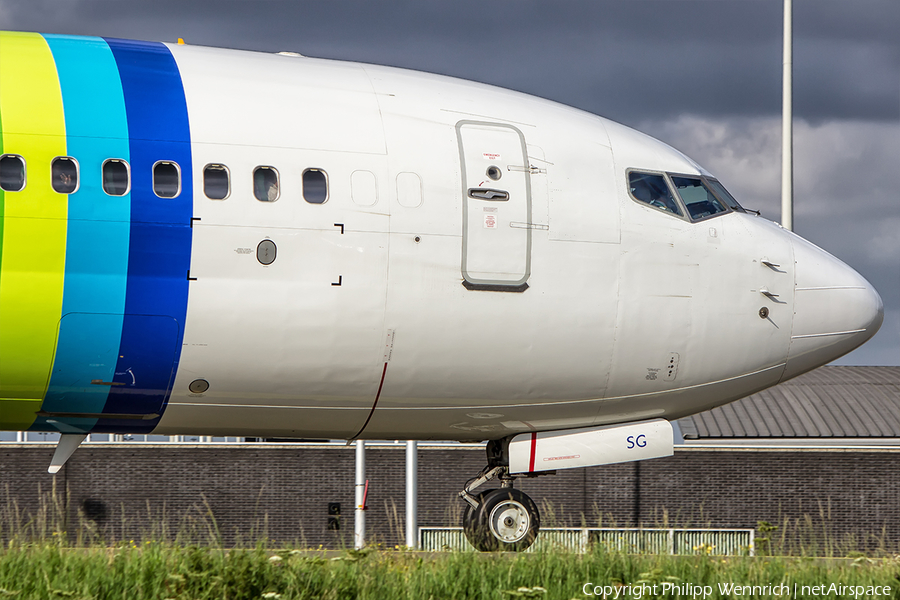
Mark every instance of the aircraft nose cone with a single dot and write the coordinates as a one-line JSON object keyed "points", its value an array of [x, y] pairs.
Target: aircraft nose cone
{"points": [[835, 309]]}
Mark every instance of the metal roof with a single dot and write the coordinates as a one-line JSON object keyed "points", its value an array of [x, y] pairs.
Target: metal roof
{"points": [[829, 402]]}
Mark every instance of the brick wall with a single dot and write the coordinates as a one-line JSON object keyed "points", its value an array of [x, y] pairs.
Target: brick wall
{"points": [[133, 491]]}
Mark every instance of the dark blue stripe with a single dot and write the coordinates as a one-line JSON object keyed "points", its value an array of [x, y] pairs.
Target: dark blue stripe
{"points": [[160, 241]]}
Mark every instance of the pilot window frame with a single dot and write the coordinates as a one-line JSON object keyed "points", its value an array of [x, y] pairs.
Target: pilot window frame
{"points": [[226, 171], [703, 181], [24, 171], [256, 192], [304, 188], [682, 215], [103, 182], [53, 174], [724, 195], [155, 184]]}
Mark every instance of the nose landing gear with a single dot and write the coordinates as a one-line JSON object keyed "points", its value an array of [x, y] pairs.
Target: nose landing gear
{"points": [[504, 520], [499, 520]]}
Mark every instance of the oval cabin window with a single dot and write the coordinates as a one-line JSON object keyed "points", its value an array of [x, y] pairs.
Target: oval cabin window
{"points": [[64, 174], [166, 179], [12, 173], [216, 184], [315, 186], [116, 177], [265, 184]]}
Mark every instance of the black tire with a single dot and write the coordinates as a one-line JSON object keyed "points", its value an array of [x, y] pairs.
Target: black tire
{"points": [[478, 535], [506, 520]]}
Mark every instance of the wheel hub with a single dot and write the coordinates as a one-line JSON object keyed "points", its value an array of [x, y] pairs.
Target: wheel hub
{"points": [[509, 521]]}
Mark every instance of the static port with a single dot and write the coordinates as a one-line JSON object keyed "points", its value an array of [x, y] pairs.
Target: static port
{"points": [[198, 386]]}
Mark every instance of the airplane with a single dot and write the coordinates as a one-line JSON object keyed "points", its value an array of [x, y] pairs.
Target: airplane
{"points": [[228, 243]]}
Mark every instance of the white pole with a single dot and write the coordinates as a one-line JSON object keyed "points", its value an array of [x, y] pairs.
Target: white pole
{"points": [[359, 520], [787, 126], [412, 494], [20, 436]]}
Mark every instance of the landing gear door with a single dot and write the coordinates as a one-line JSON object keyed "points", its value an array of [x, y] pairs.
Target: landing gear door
{"points": [[496, 253]]}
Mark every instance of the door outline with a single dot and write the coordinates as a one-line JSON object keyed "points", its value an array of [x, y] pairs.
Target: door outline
{"points": [[494, 285]]}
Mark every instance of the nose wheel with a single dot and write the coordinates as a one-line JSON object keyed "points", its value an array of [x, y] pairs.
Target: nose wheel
{"points": [[505, 520]]}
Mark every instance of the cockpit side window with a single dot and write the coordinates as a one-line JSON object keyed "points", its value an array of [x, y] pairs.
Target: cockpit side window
{"points": [[652, 189], [698, 199], [724, 196]]}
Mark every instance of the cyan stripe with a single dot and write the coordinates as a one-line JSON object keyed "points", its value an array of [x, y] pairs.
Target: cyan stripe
{"points": [[160, 236], [98, 229]]}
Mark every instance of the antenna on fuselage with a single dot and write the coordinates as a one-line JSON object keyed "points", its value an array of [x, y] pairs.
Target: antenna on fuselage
{"points": [[787, 125]]}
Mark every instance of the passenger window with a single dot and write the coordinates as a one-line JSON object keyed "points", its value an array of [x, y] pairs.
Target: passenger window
{"points": [[12, 173], [698, 199], [116, 177], [216, 185], [64, 175], [166, 179], [651, 188], [315, 186], [363, 188], [265, 184], [409, 190]]}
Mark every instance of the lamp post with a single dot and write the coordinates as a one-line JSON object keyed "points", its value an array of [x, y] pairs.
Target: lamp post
{"points": [[787, 125]]}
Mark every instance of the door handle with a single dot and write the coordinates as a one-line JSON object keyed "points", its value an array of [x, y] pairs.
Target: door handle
{"points": [[488, 194]]}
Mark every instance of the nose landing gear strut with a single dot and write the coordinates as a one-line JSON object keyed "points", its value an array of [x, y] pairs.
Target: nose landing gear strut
{"points": [[504, 519]]}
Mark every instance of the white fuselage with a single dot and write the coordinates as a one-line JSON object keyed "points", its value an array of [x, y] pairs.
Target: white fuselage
{"points": [[629, 313]]}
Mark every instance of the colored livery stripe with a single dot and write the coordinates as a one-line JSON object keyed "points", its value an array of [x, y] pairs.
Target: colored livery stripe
{"points": [[9, 415], [93, 287], [160, 237], [98, 233], [34, 227]]}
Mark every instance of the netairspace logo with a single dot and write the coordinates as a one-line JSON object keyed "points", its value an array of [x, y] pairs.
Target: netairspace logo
{"points": [[691, 590], [638, 591]]}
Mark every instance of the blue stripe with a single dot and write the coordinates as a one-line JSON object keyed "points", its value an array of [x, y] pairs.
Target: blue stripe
{"points": [[98, 230], [160, 236]]}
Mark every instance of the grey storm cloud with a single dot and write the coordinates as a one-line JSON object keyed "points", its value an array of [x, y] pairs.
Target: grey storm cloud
{"points": [[625, 59], [703, 75]]}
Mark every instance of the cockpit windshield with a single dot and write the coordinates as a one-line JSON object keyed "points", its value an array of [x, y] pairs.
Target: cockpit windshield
{"points": [[724, 196], [699, 200], [672, 194], [651, 188]]}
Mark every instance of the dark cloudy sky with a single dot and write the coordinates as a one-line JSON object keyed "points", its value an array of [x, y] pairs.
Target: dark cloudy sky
{"points": [[703, 75]]}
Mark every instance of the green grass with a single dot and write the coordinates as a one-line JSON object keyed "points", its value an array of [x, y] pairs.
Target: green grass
{"points": [[156, 570], [45, 554]]}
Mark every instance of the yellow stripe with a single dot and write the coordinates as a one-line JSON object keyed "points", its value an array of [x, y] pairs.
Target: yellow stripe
{"points": [[34, 232]]}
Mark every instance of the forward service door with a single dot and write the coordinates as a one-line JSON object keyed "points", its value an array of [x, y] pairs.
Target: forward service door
{"points": [[496, 253]]}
